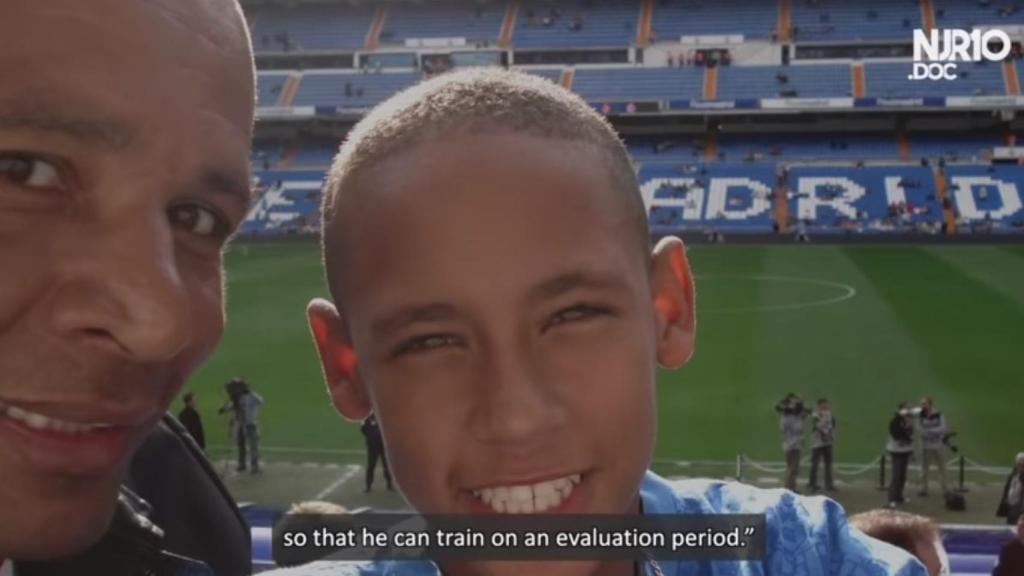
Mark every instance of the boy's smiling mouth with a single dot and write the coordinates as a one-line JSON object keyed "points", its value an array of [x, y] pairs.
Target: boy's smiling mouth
{"points": [[547, 495]]}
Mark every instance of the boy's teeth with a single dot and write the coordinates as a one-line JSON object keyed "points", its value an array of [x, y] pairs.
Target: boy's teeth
{"points": [[528, 498], [40, 422]]}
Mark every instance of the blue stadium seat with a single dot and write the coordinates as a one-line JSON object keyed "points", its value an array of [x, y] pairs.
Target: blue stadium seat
{"points": [[476, 22], [889, 80], [547, 24], [626, 84], [328, 89], [836, 199], [752, 18], [988, 196], [969, 13], [726, 197], [807, 81], [310, 27], [862, 20], [269, 86]]}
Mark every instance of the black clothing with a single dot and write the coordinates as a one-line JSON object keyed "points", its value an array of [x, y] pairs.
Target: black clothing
{"points": [[1011, 510], [374, 451], [900, 462], [817, 455], [190, 504], [132, 546], [1011, 560], [189, 418]]}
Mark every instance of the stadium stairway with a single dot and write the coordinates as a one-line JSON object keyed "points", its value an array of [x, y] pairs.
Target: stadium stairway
{"points": [[942, 192], [1010, 78], [710, 83], [857, 80], [643, 30], [508, 25], [781, 211], [903, 141], [373, 34], [567, 77], [927, 15], [291, 87], [785, 24]]}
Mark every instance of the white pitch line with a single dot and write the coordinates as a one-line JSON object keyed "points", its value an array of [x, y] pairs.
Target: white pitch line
{"points": [[352, 471], [848, 292]]}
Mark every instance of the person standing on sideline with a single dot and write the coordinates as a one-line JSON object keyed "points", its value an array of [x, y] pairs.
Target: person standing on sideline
{"points": [[900, 447], [791, 419], [248, 408], [1011, 505], [933, 432], [374, 451], [189, 418], [823, 433]]}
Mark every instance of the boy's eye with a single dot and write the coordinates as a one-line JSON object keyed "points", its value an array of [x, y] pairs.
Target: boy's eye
{"points": [[576, 313], [29, 171], [427, 343], [200, 220]]}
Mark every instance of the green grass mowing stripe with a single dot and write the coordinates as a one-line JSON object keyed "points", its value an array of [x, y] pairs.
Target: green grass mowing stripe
{"points": [[997, 268], [971, 336], [700, 404]]}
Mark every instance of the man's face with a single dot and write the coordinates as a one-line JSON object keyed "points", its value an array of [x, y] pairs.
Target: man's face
{"points": [[124, 130], [501, 311]]}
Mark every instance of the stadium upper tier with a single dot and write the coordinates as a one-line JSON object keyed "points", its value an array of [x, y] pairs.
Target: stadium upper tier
{"points": [[592, 23], [361, 89]]}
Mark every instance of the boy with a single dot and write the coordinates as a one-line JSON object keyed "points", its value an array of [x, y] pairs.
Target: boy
{"points": [[487, 251]]}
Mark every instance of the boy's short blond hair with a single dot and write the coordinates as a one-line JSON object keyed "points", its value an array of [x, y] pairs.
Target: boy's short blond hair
{"points": [[474, 101]]}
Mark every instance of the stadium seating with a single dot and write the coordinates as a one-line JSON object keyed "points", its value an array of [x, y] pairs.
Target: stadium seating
{"points": [[364, 89], [675, 18], [580, 23], [269, 86], [988, 198], [310, 27], [837, 199], [288, 203], [889, 80], [862, 20], [476, 22], [721, 196], [626, 84], [773, 147], [819, 80], [970, 13]]}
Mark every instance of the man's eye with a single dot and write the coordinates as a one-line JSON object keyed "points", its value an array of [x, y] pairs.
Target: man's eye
{"points": [[200, 220], [577, 313], [427, 343], [29, 171]]}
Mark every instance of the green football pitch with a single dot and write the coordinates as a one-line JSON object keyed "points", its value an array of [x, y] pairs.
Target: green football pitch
{"points": [[866, 326]]}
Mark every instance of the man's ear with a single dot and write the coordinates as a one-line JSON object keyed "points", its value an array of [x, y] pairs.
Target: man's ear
{"points": [[674, 309], [348, 394]]}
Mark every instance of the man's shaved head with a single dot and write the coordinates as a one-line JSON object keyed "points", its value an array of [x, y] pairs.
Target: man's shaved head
{"points": [[473, 102]]}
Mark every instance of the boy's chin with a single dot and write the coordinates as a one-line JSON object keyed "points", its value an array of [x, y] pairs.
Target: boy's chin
{"points": [[540, 568]]}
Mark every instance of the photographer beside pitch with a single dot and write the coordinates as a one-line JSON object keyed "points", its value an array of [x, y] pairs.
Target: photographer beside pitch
{"points": [[498, 307], [124, 141]]}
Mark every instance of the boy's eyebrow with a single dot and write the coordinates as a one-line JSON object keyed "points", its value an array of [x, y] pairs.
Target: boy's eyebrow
{"points": [[406, 315], [576, 279], [227, 183]]}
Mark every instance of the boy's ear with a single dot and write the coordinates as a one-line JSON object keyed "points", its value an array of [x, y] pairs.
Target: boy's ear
{"points": [[674, 309], [346, 388]]}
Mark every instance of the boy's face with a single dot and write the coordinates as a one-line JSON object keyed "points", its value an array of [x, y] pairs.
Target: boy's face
{"points": [[503, 317]]}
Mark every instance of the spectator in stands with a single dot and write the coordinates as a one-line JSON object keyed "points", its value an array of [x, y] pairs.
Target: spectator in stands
{"points": [[374, 452], [112, 290], [1011, 505], [900, 447], [916, 534], [823, 437], [933, 444], [1011, 557], [533, 359], [190, 419]]}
